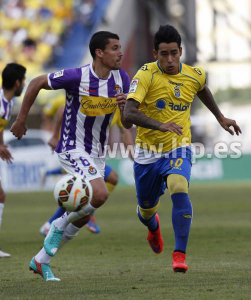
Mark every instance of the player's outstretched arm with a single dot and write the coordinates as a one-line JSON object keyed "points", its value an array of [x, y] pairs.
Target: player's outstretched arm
{"points": [[133, 115], [207, 98], [19, 126]]}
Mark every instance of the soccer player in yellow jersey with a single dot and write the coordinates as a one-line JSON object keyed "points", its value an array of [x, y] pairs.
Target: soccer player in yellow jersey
{"points": [[50, 112], [159, 103]]}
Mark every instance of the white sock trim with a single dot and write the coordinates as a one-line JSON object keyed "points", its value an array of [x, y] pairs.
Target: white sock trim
{"points": [[42, 257]]}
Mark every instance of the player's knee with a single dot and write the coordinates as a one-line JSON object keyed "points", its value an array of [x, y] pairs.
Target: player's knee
{"points": [[177, 184], [113, 178], [100, 196], [146, 213], [2, 196]]}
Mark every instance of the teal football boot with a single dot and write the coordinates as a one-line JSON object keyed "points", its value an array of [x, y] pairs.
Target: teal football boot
{"points": [[42, 269], [53, 239]]}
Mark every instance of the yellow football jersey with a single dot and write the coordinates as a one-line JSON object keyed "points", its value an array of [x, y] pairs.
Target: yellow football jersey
{"points": [[52, 107], [165, 98]]}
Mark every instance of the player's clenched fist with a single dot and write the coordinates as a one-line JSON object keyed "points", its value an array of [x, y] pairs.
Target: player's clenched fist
{"points": [[18, 129], [172, 127], [121, 100]]}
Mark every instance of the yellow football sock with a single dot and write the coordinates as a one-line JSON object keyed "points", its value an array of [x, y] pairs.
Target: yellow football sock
{"points": [[110, 187]]}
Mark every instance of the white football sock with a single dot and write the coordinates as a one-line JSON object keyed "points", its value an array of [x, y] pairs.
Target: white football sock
{"points": [[1, 212], [42, 257], [61, 222], [66, 219], [70, 232]]}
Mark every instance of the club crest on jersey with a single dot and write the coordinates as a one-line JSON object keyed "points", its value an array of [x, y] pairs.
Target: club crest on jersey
{"points": [[177, 91], [134, 85], [198, 71], [161, 104], [58, 74], [118, 89], [92, 170]]}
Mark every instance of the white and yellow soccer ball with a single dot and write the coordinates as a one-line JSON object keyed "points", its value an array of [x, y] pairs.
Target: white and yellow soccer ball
{"points": [[73, 192]]}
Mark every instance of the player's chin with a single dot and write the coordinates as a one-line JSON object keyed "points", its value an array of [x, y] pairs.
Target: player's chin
{"points": [[116, 66]]}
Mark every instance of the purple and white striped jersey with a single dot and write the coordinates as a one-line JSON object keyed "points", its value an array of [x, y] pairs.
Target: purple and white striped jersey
{"points": [[5, 110], [90, 106]]}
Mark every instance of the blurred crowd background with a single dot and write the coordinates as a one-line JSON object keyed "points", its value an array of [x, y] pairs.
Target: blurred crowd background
{"points": [[50, 35]]}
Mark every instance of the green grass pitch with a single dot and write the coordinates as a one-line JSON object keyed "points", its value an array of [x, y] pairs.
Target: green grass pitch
{"points": [[119, 264]]}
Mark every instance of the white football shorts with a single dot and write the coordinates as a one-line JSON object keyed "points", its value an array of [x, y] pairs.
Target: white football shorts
{"points": [[80, 162]]}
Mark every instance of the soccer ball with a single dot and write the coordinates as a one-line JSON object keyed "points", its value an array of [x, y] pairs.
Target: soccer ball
{"points": [[73, 192]]}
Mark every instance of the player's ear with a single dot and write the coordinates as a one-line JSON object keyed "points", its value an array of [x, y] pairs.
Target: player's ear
{"points": [[155, 54], [180, 51], [99, 53], [17, 83]]}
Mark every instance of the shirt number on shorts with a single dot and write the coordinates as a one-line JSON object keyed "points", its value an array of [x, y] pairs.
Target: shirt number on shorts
{"points": [[84, 161], [177, 164]]}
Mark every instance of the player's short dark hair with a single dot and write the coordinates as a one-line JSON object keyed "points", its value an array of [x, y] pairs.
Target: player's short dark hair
{"points": [[99, 41], [11, 73], [166, 34]]}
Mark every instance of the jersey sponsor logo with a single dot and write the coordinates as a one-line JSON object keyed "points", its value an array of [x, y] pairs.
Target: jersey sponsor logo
{"points": [[96, 106], [118, 89], [161, 104], [134, 85], [92, 170], [198, 71], [144, 68], [58, 74], [177, 91], [177, 107], [175, 83]]}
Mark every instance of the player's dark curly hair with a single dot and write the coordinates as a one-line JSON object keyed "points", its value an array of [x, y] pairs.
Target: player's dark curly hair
{"points": [[166, 34], [99, 41], [11, 73]]}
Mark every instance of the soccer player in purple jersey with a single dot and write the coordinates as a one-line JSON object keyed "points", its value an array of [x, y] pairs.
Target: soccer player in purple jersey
{"points": [[13, 78], [93, 93]]}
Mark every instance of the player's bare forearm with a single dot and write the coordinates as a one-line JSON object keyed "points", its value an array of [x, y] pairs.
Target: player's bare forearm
{"points": [[207, 99], [19, 127], [32, 91], [133, 115], [127, 125], [121, 100]]}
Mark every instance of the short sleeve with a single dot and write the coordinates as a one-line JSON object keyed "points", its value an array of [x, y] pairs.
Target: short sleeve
{"points": [[140, 84], [201, 76], [67, 79]]}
